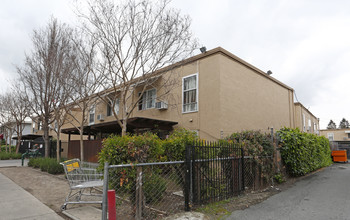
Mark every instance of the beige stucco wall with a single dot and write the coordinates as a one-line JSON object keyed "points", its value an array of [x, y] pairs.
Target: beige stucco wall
{"points": [[338, 134], [250, 101], [300, 110], [232, 96]]}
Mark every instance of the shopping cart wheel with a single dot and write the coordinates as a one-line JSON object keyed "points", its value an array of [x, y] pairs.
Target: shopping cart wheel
{"points": [[63, 207]]}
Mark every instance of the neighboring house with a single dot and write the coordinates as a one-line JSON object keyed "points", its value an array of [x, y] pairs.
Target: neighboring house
{"points": [[13, 139], [305, 120], [336, 134], [217, 94], [339, 138]]}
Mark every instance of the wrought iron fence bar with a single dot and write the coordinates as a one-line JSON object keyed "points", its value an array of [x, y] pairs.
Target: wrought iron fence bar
{"points": [[145, 164]]}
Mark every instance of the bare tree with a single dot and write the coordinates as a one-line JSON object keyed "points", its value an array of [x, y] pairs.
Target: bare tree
{"points": [[135, 40], [86, 84], [7, 127], [48, 63], [18, 110]]}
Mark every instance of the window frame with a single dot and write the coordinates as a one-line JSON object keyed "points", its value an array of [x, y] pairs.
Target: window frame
{"points": [[144, 100], [92, 109], [183, 91], [109, 107], [330, 135]]}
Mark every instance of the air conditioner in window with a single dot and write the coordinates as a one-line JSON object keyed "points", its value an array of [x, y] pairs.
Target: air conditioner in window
{"points": [[161, 105], [100, 117]]}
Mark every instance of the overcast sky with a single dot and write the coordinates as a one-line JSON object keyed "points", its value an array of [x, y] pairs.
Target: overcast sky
{"points": [[305, 43]]}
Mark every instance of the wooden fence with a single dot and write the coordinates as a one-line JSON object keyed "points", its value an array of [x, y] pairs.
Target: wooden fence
{"points": [[91, 150]]}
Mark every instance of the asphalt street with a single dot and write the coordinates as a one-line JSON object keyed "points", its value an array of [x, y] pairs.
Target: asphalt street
{"points": [[322, 195]]}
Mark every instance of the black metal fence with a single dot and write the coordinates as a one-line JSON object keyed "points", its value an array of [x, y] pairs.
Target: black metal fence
{"points": [[211, 172], [216, 171]]}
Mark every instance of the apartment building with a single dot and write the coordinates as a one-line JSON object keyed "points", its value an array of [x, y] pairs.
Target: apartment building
{"points": [[215, 94]]}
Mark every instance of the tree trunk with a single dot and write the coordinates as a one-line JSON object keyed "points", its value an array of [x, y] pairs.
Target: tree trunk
{"points": [[18, 143], [81, 143], [10, 141], [58, 152], [124, 128], [46, 139]]}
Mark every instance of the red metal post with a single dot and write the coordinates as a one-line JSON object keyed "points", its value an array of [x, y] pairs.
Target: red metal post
{"points": [[112, 212]]}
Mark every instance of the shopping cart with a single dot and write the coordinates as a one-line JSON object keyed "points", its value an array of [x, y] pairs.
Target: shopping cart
{"points": [[85, 183]]}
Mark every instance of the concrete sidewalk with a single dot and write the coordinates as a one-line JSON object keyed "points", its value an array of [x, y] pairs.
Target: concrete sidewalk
{"points": [[13, 163], [16, 203]]}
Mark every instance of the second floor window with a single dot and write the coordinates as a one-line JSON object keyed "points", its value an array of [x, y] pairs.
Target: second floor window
{"points": [[92, 115], [116, 107], [190, 93], [309, 127], [148, 99]]}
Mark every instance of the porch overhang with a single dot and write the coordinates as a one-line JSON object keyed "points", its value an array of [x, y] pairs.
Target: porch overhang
{"points": [[29, 137], [133, 125]]}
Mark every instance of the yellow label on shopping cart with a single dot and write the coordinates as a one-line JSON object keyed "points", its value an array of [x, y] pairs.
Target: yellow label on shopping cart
{"points": [[72, 166]]}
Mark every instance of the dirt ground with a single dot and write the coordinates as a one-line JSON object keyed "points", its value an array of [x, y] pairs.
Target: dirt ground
{"points": [[52, 190]]}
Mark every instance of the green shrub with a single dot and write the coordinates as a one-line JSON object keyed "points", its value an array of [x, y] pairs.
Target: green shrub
{"points": [[131, 149], [154, 188], [175, 144], [257, 145], [126, 150], [302, 152], [254, 143], [8, 156], [6, 148], [279, 178], [49, 165]]}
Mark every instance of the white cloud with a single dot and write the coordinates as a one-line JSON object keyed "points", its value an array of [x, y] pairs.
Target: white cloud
{"points": [[305, 43]]}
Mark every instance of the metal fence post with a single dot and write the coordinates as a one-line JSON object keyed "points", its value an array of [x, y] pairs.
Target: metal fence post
{"points": [[104, 195], [187, 177], [242, 152], [139, 194]]}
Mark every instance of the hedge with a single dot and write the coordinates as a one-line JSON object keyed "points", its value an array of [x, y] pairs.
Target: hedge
{"points": [[302, 152], [8, 156], [49, 165]]}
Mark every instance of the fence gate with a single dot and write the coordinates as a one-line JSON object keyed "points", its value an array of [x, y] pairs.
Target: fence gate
{"points": [[216, 170]]}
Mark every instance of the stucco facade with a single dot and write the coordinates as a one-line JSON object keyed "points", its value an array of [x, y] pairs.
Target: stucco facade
{"points": [[305, 120], [336, 134], [226, 95]]}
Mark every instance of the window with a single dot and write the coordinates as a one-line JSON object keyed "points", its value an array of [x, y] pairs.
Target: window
{"points": [[304, 126], [116, 107], [34, 127], [315, 127], [330, 136], [148, 99], [190, 93], [40, 127], [92, 115], [309, 125]]}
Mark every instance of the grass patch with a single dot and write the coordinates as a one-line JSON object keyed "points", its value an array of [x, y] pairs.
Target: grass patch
{"points": [[49, 165], [9, 156], [217, 209]]}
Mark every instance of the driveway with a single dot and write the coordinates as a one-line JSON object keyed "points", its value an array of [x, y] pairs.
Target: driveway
{"points": [[322, 195]]}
